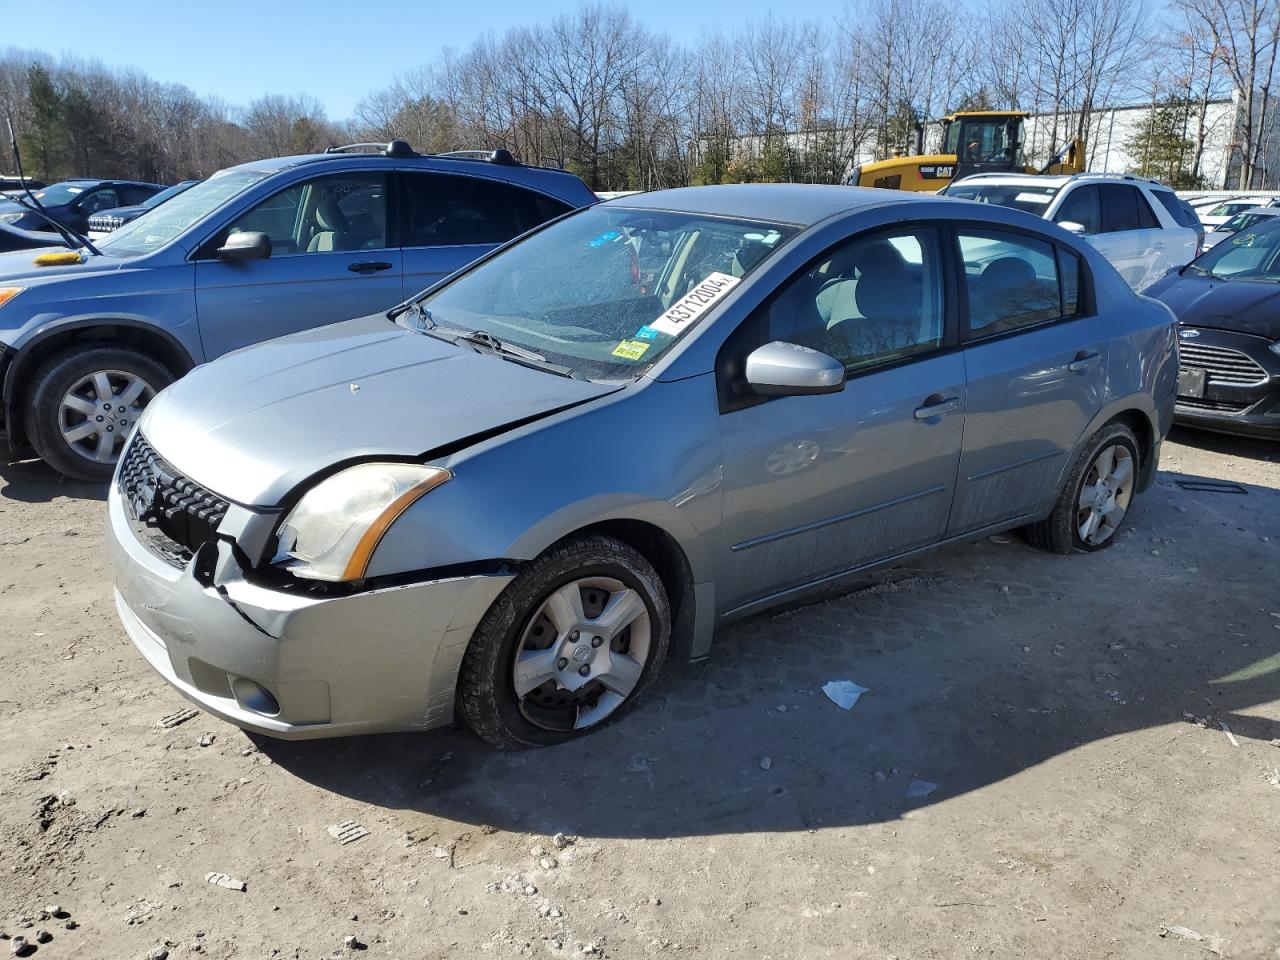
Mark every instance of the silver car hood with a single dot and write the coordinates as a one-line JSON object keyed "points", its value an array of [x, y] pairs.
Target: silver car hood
{"points": [[254, 424]]}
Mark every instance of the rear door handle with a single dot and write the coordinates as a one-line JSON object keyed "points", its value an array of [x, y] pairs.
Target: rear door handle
{"points": [[369, 266], [937, 406], [1083, 362]]}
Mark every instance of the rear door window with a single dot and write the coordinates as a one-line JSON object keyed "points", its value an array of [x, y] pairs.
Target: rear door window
{"points": [[1012, 281], [533, 209], [131, 196], [453, 210], [1124, 208], [1182, 214]]}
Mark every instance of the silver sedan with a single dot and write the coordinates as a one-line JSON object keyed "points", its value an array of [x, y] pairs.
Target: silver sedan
{"points": [[515, 496]]}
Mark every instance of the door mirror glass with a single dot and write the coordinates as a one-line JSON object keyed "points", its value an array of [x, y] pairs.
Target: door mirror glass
{"points": [[780, 369], [246, 245], [1072, 227]]}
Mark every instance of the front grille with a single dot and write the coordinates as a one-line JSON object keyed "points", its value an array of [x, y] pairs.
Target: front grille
{"points": [[1221, 364], [1215, 405], [178, 513]]}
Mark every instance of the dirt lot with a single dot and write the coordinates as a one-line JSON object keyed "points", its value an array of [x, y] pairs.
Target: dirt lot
{"points": [[1069, 711]]}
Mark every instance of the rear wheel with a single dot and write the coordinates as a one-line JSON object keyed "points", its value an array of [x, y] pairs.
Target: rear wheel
{"points": [[84, 402], [567, 647], [1096, 497]]}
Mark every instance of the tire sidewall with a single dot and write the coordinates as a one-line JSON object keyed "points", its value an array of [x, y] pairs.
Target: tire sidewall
{"points": [[499, 634], [51, 383], [1116, 433]]}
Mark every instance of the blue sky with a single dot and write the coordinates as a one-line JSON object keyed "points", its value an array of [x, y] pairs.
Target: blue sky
{"points": [[334, 50]]}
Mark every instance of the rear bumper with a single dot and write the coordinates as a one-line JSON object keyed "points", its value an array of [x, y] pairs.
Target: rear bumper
{"points": [[1245, 403], [378, 661]]}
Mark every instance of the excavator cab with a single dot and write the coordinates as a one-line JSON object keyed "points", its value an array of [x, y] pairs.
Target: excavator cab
{"points": [[983, 142], [988, 141]]}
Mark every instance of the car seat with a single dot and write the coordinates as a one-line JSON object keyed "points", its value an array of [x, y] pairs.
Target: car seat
{"points": [[334, 229]]}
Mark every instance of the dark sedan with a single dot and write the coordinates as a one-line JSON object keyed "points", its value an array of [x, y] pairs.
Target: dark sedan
{"points": [[73, 202], [1228, 306]]}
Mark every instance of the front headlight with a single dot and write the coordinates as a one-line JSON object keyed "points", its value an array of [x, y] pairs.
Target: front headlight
{"points": [[1275, 347], [332, 532], [11, 217]]}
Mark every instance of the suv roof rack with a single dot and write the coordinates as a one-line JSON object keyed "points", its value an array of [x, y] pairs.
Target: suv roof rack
{"points": [[1117, 176], [398, 149], [499, 155]]}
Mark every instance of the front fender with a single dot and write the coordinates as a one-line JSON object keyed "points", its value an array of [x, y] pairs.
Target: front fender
{"points": [[649, 453]]}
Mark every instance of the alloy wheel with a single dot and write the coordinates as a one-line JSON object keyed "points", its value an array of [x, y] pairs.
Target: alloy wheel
{"points": [[1105, 494], [97, 412], [582, 653]]}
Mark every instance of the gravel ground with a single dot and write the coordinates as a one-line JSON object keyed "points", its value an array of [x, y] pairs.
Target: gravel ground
{"points": [[1039, 769]]}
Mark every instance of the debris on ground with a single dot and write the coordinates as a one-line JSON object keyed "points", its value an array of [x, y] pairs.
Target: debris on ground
{"points": [[843, 693], [1272, 777], [43, 936], [178, 717], [1231, 737], [226, 882], [53, 910], [351, 942], [347, 831], [1213, 944], [157, 953], [917, 789], [19, 946], [206, 739], [548, 863], [560, 841]]}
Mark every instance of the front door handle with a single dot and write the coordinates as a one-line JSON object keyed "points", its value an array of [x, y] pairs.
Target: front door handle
{"points": [[369, 266], [937, 406], [1083, 362]]}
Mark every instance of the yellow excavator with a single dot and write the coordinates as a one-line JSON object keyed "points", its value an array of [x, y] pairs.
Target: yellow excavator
{"points": [[988, 141]]}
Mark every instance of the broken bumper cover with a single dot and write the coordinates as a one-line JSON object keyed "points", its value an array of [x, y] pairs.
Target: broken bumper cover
{"points": [[294, 666]]}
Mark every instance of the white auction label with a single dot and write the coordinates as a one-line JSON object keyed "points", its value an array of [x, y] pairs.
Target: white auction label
{"points": [[701, 298]]}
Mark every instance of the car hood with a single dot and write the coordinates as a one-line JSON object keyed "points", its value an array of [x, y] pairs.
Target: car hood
{"points": [[19, 265], [254, 424], [1245, 306]]}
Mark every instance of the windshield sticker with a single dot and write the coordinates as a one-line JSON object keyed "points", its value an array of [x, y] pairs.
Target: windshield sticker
{"points": [[604, 238], [1245, 241], [647, 333], [1032, 198], [631, 349], [695, 303]]}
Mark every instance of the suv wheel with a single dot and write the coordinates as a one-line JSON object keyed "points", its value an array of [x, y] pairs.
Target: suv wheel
{"points": [[568, 645], [1096, 496], [84, 402]]}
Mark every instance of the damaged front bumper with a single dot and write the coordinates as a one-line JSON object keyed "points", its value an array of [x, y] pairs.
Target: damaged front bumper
{"points": [[290, 665]]}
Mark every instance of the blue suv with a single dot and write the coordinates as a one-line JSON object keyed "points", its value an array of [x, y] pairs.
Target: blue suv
{"points": [[254, 252]]}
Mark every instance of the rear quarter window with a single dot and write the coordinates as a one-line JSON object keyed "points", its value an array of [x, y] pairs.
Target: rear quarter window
{"points": [[1181, 213]]}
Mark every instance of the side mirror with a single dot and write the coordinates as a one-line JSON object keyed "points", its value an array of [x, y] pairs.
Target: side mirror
{"points": [[249, 245], [780, 369], [1072, 227]]}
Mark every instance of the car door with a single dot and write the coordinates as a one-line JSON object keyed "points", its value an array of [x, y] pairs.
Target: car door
{"points": [[331, 259], [449, 219], [1035, 359], [818, 485]]}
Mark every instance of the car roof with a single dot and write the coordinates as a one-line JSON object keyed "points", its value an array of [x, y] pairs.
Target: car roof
{"points": [[802, 204], [426, 160]]}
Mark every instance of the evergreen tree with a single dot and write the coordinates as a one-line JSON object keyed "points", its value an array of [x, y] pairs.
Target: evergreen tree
{"points": [[1161, 147]]}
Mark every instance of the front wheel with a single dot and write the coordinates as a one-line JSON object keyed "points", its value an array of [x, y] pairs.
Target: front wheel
{"points": [[569, 644], [1096, 497], [84, 402]]}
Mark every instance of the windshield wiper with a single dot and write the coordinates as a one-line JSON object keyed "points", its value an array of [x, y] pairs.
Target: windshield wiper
{"points": [[33, 204], [486, 339], [70, 237]]}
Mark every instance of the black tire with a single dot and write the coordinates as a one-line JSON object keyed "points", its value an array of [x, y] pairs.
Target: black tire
{"points": [[1059, 532], [51, 383], [487, 696]]}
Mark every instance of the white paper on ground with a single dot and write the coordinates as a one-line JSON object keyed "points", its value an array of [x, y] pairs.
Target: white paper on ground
{"points": [[843, 693]]}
